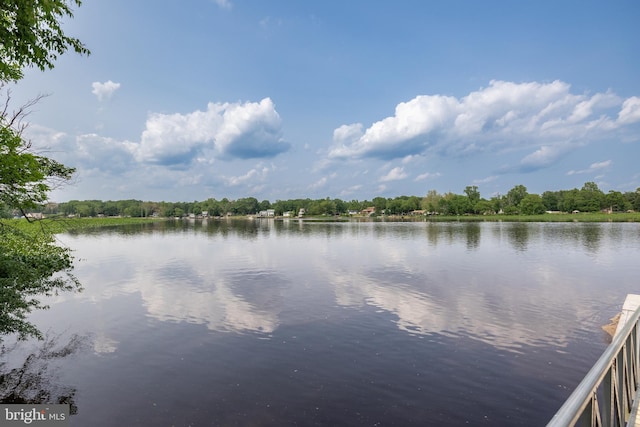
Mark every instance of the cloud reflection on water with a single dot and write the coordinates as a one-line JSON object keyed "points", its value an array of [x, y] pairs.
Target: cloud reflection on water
{"points": [[503, 284]]}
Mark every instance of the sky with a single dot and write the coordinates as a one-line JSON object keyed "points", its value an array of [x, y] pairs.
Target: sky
{"points": [[188, 100]]}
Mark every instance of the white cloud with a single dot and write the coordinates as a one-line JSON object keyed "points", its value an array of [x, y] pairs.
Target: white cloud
{"points": [[410, 158], [258, 174], [427, 175], [93, 151], [630, 112], [394, 174], [242, 179], [502, 116], [600, 165], [594, 167], [485, 180], [174, 150], [322, 181], [543, 156], [104, 90], [229, 130], [350, 190], [319, 183]]}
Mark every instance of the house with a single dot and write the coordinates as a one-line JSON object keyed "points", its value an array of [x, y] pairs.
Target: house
{"points": [[368, 211], [301, 212], [287, 214]]}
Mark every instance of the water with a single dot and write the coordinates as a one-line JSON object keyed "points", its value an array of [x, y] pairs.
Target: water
{"points": [[270, 323]]}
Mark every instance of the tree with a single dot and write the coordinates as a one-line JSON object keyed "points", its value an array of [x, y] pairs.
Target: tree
{"points": [[31, 264], [515, 195], [25, 177], [531, 204], [264, 205], [484, 207], [473, 194], [430, 201], [616, 201], [633, 199], [380, 203], [497, 203], [454, 204], [31, 35], [341, 206], [568, 200], [550, 200], [592, 197]]}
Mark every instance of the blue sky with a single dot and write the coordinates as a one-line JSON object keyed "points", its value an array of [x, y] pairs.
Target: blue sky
{"points": [[183, 101]]}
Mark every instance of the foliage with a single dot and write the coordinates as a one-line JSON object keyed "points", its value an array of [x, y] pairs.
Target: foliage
{"points": [[32, 35], [31, 265], [515, 195], [432, 203], [531, 204], [474, 196], [25, 177]]}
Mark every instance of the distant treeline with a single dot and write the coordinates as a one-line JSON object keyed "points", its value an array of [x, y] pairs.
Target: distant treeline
{"points": [[517, 201]]}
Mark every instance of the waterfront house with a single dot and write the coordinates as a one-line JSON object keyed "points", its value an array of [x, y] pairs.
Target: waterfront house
{"points": [[368, 211]]}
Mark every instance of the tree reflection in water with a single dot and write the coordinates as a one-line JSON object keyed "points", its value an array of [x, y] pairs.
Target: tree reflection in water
{"points": [[34, 380]]}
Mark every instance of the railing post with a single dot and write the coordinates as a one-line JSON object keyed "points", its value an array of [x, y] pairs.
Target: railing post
{"points": [[608, 404]]}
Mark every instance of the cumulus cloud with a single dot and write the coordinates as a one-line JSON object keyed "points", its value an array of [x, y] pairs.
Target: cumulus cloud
{"points": [[502, 116], [594, 167], [93, 151], [104, 90], [174, 150], [84, 151], [394, 174], [229, 130]]}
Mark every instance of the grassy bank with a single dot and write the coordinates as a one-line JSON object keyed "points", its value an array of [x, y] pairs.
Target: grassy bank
{"points": [[61, 225], [561, 217]]}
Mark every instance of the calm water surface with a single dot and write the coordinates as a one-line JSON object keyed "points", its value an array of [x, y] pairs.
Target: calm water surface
{"points": [[270, 323]]}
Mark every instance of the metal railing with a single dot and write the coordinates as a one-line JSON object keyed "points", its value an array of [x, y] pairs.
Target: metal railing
{"points": [[606, 394]]}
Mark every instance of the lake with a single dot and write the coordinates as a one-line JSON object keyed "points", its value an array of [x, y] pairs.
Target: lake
{"points": [[276, 323]]}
